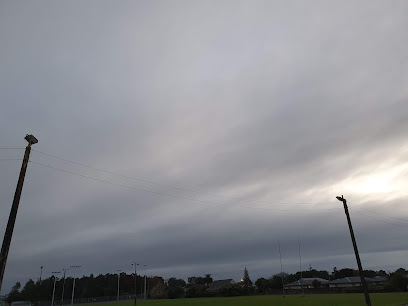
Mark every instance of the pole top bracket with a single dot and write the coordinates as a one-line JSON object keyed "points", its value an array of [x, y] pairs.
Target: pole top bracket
{"points": [[31, 139]]}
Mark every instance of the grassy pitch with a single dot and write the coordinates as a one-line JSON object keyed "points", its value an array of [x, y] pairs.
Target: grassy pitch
{"points": [[392, 299]]}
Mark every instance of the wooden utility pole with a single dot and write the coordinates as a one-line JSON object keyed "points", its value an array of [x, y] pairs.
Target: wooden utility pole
{"points": [[14, 208], [353, 239]]}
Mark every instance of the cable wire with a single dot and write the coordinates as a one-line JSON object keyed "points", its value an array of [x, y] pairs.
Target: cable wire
{"points": [[195, 191], [170, 186], [384, 215], [215, 204], [375, 218]]}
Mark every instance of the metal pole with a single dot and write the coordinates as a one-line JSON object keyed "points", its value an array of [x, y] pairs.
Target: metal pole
{"points": [[118, 284], [141, 289], [353, 239], [14, 208], [53, 291], [41, 274], [135, 264], [73, 285], [63, 288], [280, 258], [300, 263], [73, 289], [145, 279]]}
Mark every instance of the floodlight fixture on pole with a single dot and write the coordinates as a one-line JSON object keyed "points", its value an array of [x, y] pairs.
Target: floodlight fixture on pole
{"points": [[73, 284], [41, 273], [14, 208], [118, 283], [280, 259], [31, 139], [135, 264], [145, 279], [53, 290], [63, 287], [353, 239], [300, 266]]}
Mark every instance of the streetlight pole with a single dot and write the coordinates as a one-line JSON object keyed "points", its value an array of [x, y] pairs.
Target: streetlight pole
{"points": [[300, 265], [280, 259], [73, 284], [135, 264], [14, 208], [53, 290], [145, 276], [63, 287], [118, 282], [353, 239], [41, 274]]}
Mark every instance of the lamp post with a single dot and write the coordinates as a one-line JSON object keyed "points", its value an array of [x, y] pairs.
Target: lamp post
{"points": [[135, 264], [41, 274], [300, 266], [118, 282], [53, 290], [280, 259], [63, 287], [353, 239], [14, 208], [73, 284], [145, 295]]}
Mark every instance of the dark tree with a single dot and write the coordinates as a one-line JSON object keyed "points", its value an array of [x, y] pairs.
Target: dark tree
{"points": [[398, 281], [175, 292], [231, 290], [208, 279], [196, 291], [369, 273], [264, 284], [276, 281], [316, 284], [29, 291], [344, 273], [14, 294], [198, 280], [176, 283], [246, 280]]}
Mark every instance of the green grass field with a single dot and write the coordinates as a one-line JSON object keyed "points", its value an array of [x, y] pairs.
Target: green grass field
{"points": [[316, 299]]}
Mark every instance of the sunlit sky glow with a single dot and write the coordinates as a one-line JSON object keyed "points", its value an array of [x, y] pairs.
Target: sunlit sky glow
{"points": [[260, 113]]}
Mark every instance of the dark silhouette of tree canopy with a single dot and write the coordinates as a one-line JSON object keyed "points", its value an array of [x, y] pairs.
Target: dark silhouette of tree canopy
{"points": [[316, 284], [106, 285], [246, 280], [198, 280], [208, 279], [176, 283]]}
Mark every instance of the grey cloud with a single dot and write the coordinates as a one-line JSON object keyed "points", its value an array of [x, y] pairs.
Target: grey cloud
{"points": [[268, 102]]}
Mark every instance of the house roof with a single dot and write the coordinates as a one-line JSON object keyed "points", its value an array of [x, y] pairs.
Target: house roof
{"points": [[380, 279], [306, 281], [352, 280], [218, 284]]}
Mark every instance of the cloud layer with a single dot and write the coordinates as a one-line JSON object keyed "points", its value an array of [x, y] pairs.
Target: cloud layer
{"points": [[259, 113]]}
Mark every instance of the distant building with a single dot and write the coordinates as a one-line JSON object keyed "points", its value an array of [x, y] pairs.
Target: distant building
{"points": [[306, 283], [218, 284], [355, 281], [379, 280]]}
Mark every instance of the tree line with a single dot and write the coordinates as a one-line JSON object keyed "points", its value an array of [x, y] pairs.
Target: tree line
{"points": [[196, 286]]}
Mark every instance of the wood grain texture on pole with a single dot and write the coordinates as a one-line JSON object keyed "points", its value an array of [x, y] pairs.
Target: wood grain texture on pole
{"points": [[13, 214]]}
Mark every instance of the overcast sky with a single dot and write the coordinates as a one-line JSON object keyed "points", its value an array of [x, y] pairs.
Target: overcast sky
{"points": [[248, 117]]}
